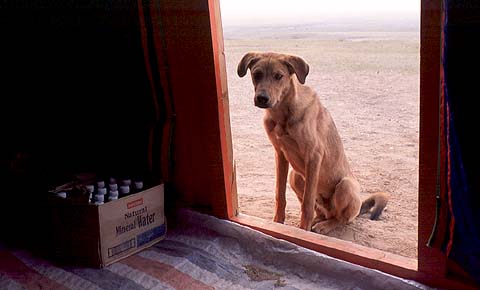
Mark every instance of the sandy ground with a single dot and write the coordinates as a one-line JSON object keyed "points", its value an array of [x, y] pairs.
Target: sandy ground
{"points": [[370, 84]]}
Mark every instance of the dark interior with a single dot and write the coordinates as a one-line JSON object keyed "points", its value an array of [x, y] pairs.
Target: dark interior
{"points": [[75, 98]]}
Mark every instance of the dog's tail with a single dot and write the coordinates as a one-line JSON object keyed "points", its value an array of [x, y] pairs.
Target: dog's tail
{"points": [[375, 205]]}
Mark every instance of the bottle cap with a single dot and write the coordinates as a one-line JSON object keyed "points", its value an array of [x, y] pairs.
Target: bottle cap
{"points": [[101, 184], [124, 189], [112, 180], [113, 186], [127, 182], [138, 185], [90, 188], [62, 194], [102, 190]]}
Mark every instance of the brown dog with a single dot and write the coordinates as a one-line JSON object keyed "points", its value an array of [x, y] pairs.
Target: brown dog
{"points": [[304, 135]]}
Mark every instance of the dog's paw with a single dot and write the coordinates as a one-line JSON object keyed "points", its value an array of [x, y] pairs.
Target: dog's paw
{"points": [[320, 230], [323, 227]]}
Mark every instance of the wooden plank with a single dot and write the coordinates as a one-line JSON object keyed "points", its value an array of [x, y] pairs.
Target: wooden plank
{"points": [[345, 250], [368, 257], [223, 107], [199, 175], [430, 259]]}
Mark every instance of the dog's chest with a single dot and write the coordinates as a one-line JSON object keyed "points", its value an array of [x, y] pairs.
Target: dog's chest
{"points": [[285, 137]]}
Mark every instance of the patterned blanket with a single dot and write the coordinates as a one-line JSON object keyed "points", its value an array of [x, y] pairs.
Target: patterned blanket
{"points": [[202, 252]]}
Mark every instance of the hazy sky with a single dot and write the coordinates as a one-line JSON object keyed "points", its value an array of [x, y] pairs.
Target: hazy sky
{"points": [[235, 12]]}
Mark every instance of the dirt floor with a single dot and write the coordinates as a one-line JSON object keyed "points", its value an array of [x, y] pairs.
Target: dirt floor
{"points": [[369, 81]]}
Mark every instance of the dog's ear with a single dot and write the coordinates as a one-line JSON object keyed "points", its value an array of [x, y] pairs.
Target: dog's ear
{"points": [[297, 66], [247, 61]]}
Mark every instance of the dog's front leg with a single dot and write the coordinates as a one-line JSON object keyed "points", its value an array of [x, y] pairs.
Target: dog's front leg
{"points": [[312, 168], [280, 186]]}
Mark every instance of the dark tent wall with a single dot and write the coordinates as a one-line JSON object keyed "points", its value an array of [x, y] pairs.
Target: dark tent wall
{"points": [[111, 87], [75, 97], [461, 62]]}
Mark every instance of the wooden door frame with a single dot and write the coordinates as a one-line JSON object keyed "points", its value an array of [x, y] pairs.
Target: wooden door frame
{"points": [[219, 196]]}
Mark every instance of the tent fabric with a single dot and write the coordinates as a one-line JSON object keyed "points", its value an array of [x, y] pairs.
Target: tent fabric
{"points": [[461, 28], [202, 252]]}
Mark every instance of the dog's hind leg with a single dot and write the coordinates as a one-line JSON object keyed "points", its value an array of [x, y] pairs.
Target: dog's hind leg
{"points": [[346, 206]]}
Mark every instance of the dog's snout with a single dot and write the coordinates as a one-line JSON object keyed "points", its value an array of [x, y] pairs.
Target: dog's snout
{"points": [[262, 100]]}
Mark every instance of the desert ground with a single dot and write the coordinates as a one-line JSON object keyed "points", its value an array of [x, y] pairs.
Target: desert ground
{"points": [[369, 81]]}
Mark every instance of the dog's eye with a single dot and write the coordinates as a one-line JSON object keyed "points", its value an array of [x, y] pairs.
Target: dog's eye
{"points": [[257, 76], [278, 77]]}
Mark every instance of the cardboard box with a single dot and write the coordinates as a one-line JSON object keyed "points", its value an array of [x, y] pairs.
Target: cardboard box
{"points": [[99, 235]]}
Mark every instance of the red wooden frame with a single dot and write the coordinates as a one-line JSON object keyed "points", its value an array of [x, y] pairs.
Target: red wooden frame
{"points": [[192, 47]]}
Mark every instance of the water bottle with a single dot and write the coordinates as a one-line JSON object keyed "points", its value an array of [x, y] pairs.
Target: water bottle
{"points": [[137, 186], [124, 190]]}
